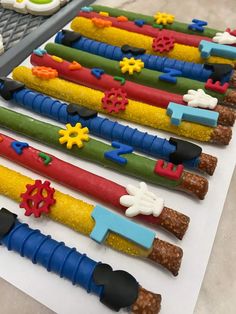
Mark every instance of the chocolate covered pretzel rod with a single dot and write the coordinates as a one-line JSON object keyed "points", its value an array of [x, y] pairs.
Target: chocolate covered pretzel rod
{"points": [[168, 42], [135, 111], [145, 29], [104, 82], [195, 71], [100, 224], [151, 20], [150, 208], [174, 150], [115, 289], [119, 37], [145, 77], [121, 159]]}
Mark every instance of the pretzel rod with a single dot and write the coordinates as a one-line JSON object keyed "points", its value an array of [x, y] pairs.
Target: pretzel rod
{"points": [[95, 277], [180, 38], [80, 216], [93, 185], [134, 91], [145, 77], [175, 26], [136, 112], [174, 150], [195, 71], [84, 76], [119, 37], [95, 151]]}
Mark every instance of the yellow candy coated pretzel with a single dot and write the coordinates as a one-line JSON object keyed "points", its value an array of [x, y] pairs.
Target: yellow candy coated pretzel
{"points": [[135, 111], [119, 37], [67, 210]]}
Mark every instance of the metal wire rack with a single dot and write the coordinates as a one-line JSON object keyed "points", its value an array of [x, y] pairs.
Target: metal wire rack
{"points": [[24, 32], [15, 26]]}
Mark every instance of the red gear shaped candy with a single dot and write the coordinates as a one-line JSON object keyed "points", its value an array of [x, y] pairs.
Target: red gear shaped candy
{"points": [[38, 198], [115, 100], [163, 42]]}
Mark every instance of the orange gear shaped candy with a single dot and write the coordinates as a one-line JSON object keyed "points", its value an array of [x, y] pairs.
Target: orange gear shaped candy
{"points": [[122, 18], [74, 66], [44, 72], [38, 198], [101, 23], [74, 135], [114, 100]]}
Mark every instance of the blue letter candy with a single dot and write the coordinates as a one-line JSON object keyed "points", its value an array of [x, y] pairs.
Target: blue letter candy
{"points": [[178, 113], [108, 221]]}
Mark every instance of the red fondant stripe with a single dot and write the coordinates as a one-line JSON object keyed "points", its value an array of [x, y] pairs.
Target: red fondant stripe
{"points": [[148, 30], [83, 76], [102, 189]]}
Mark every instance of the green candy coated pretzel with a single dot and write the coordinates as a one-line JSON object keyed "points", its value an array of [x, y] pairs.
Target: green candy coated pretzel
{"points": [[145, 77], [175, 26], [137, 165]]}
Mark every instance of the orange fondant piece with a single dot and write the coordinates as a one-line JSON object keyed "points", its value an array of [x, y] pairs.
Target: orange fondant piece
{"points": [[75, 66], [44, 72], [122, 18], [101, 23]]}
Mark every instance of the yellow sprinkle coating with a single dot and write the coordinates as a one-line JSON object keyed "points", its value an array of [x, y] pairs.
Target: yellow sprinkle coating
{"points": [[135, 111], [67, 210], [119, 37]]}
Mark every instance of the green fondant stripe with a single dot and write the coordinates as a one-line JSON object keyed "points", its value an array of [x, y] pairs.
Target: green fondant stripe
{"points": [[93, 150], [176, 26], [145, 77]]}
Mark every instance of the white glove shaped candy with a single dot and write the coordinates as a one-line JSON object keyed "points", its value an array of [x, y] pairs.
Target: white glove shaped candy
{"points": [[224, 38], [200, 99], [141, 201]]}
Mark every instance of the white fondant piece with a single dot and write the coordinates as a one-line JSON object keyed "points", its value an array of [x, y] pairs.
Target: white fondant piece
{"points": [[141, 201], [200, 99], [224, 38], [1, 45], [26, 6]]}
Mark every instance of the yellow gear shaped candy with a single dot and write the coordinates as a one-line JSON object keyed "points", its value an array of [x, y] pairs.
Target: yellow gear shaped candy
{"points": [[131, 65], [74, 135], [164, 18]]}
